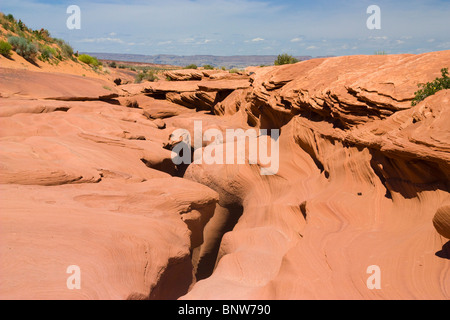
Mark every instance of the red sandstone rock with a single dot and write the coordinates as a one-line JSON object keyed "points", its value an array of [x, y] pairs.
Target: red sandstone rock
{"points": [[363, 181], [53, 86]]}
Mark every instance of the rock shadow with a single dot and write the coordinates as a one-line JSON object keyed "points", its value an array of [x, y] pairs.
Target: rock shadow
{"points": [[445, 252]]}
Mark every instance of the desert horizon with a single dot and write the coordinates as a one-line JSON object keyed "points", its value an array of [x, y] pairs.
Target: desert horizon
{"points": [[139, 165]]}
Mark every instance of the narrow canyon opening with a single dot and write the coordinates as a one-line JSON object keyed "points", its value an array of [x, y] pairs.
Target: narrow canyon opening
{"points": [[205, 257]]}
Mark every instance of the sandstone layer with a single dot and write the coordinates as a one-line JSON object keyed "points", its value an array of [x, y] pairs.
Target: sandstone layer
{"points": [[87, 179]]}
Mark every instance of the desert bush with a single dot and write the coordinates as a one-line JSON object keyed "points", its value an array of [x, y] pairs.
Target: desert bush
{"points": [[112, 65], [7, 22], [92, 61], [10, 18], [139, 77], [23, 47], [22, 26], [430, 88], [48, 53], [146, 76], [234, 70], [38, 35], [191, 66], [208, 67], [5, 25], [285, 59], [59, 56], [5, 49], [22, 34], [43, 35], [66, 49], [380, 53]]}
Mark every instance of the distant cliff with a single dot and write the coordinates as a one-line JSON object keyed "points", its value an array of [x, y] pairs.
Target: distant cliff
{"points": [[217, 61]]}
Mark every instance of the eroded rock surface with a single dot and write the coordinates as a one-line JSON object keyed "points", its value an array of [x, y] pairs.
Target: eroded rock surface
{"points": [[363, 181], [362, 175]]}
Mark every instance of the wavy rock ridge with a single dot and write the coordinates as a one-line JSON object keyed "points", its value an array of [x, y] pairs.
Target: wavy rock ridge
{"points": [[363, 181], [362, 174]]}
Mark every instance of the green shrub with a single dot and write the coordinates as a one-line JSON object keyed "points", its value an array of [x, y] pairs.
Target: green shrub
{"points": [[5, 25], [380, 53], [22, 34], [191, 66], [430, 88], [285, 59], [43, 35], [139, 77], [66, 49], [8, 22], [234, 70], [22, 26], [208, 67], [23, 47], [5, 49], [10, 18], [48, 53], [112, 64], [59, 56], [92, 61], [145, 76]]}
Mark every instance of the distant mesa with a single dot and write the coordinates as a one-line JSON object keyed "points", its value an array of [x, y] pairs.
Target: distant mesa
{"points": [[200, 60]]}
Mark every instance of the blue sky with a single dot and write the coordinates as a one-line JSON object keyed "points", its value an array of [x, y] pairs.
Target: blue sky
{"points": [[242, 27]]}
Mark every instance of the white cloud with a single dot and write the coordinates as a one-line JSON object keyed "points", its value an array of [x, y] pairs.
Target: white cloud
{"points": [[187, 40], [100, 40], [206, 41], [163, 43], [312, 48], [297, 40], [444, 45], [257, 39], [379, 38]]}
